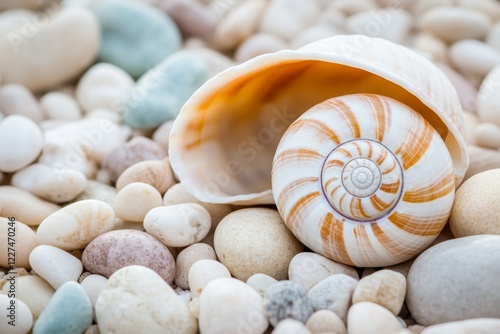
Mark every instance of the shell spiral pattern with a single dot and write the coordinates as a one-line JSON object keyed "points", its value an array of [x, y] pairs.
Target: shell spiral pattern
{"points": [[367, 176]]}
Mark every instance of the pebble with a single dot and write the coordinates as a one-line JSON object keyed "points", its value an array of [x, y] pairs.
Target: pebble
{"points": [[135, 200], [476, 206], [55, 265], [57, 105], [24, 242], [255, 240], [76, 225], [482, 326], [487, 135], [102, 86], [323, 321], [135, 150], [444, 284], [35, 292], [452, 24], [431, 45], [18, 100], [260, 282], [26, 207], [257, 45], [98, 191], [334, 293], [203, 272], [308, 269], [17, 320], [156, 173], [386, 288], [290, 326], [221, 312], [481, 159], [215, 61], [136, 299], [69, 311], [46, 182], [160, 93], [488, 103], [28, 146], [148, 37], [353, 7], [493, 37], [474, 57], [370, 318], [162, 134], [287, 300], [185, 260], [488, 7], [94, 285], [178, 225], [117, 249], [28, 61], [404, 267], [313, 34]]}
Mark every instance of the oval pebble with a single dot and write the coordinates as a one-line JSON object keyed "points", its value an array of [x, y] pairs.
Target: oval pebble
{"points": [[287, 300], [117, 249], [368, 317], [258, 44], [18, 100], [260, 282], [69, 311], [147, 38], [324, 321], [16, 317], [191, 17], [98, 191], [482, 326], [203, 272], [255, 240], [488, 102], [178, 225], [443, 282], [136, 299], [161, 135], [290, 326], [156, 173], [57, 105], [76, 225], [431, 45], [474, 57], [34, 291], [493, 37], [94, 285], [487, 135], [135, 200], [185, 260], [27, 147], [221, 312], [55, 265], [23, 240]]}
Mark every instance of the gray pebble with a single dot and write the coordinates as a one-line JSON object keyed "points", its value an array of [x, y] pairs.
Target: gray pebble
{"points": [[287, 300]]}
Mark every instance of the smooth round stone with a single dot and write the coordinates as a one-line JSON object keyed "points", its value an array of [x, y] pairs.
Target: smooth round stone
{"points": [[94, 285], [488, 102], [239, 24], [135, 36], [185, 260], [135, 200], [368, 317], [24, 241], [221, 312], [287, 300], [73, 36], [203, 272], [18, 100], [178, 225], [488, 7], [57, 105], [98, 191], [386, 288], [160, 94], [76, 225], [477, 205], [290, 326], [493, 37], [255, 240], [117, 249], [474, 57], [102, 86], [260, 282], [487, 135], [452, 24], [162, 134], [16, 317], [24, 206], [313, 34], [34, 291], [257, 45], [308, 269], [324, 321], [443, 282], [17, 151], [69, 311], [467, 93], [431, 45], [157, 173], [136, 299], [334, 293], [49, 183], [55, 265], [135, 150], [483, 326]]}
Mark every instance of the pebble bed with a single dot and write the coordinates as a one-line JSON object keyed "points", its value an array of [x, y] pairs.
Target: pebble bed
{"points": [[107, 241]]}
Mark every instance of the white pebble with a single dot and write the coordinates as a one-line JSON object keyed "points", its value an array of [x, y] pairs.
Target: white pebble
{"points": [[290, 326], [487, 135], [369, 318], [93, 285], [260, 282], [488, 98], [60, 106], [185, 260], [16, 317], [204, 271], [135, 200], [473, 57]]}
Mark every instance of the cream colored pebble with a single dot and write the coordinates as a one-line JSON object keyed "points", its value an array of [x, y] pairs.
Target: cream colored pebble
{"points": [[156, 173], [18, 236], [185, 260], [21, 316], [94, 285], [18, 100], [487, 135], [368, 317], [203, 272], [290, 326], [325, 321], [57, 105], [135, 200]]}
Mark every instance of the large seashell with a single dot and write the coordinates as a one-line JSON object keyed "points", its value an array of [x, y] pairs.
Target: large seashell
{"points": [[395, 113]]}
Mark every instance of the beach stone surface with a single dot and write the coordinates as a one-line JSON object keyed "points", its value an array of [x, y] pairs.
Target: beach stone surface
{"points": [[287, 300], [157, 173]]}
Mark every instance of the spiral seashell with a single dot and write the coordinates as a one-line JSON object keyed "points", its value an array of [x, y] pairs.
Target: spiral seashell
{"points": [[367, 176]]}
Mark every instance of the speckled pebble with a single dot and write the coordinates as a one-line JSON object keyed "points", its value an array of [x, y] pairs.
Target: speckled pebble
{"points": [[156, 173], [117, 249], [290, 326], [16, 317], [324, 321], [260, 282], [186, 258], [203, 272], [57, 105], [25, 242], [18, 100], [287, 300], [135, 200]]}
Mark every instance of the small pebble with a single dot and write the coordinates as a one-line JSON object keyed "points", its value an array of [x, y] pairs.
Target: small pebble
{"points": [[257, 45], [260, 282], [121, 248], [98, 191], [487, 135], [371, 318], [94, 285], [162, 134], [16, 317], [433, 46], [482, 326], [474, 57], [185, 260], [24, 241], [18, 100], [156, 173], [287, 300], [290, 326], [57, 105], [135, 200], [493, 37], [203, 272], [191, 17], [481, 159], [325, 321], [488, 102]]}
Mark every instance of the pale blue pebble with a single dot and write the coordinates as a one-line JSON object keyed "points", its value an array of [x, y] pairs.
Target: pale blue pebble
{"points": [[69, 311], [160, 94], [135, 36]]}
